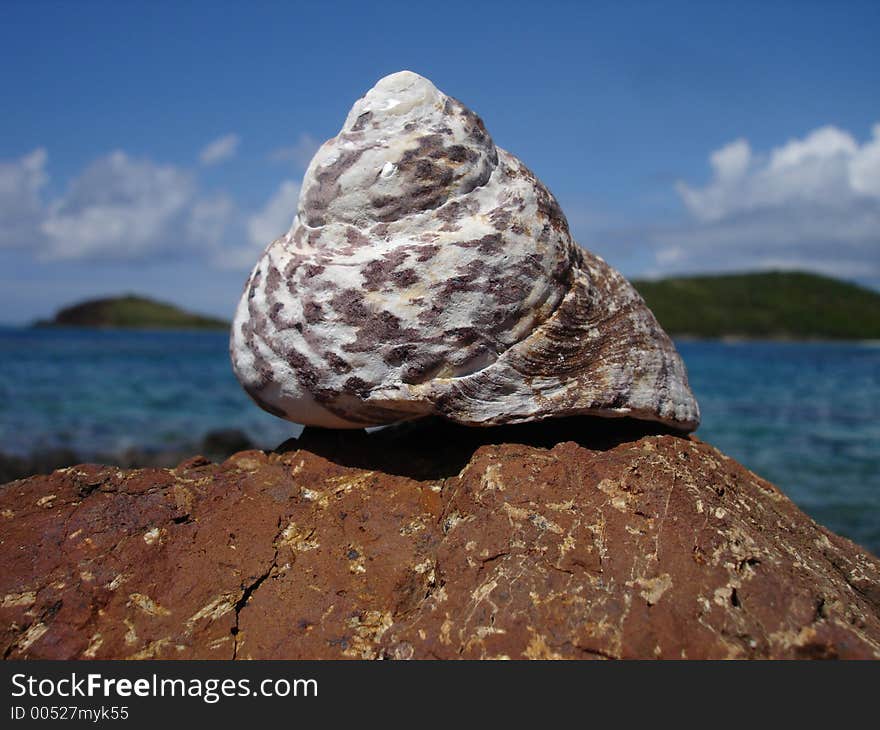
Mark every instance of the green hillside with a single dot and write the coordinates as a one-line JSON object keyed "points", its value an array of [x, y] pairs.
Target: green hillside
{"points": [[131, 312], [774, 304]]}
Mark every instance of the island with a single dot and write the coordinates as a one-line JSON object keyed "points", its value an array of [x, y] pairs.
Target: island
{"points": [[772, 305], [131, 312]]}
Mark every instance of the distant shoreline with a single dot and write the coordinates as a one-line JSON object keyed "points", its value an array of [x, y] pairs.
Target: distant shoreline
{"points": [[45, 325], [216, 445], [729, 339], [131, 311], [773, 306], [780, 340]]}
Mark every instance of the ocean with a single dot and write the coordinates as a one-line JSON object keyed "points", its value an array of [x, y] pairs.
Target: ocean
{"points": [[806, 416]]}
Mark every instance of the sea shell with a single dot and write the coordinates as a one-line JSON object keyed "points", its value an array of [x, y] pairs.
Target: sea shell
{"points": [[428, 272]]}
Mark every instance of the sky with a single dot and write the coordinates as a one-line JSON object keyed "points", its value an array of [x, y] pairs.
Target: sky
{"points": [[158, 147]]}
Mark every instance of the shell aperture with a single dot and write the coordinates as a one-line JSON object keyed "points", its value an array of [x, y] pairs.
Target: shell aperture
{"points": [[428, 271]]}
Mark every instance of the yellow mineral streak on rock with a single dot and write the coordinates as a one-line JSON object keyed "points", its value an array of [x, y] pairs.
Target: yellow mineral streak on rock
{"points": [[722, 595], [618, 497], [131, 636], [357, 566], [482, 592], [538, 648], [12, 600], [220, 606], [453, 520], [217, 643], [491, 480], [423, 567], [147, 605], [298, 538], [246, 462], [152, 650], [542, 523], [344, 484], [118, 581], [516, 514], [416, 525], [367, 631], [316, 496], [33, 634], [483, 631], [439, 596], [446, 631], [652, 589], [150, 536], [183, 497], [94, 644], [46, 501]]}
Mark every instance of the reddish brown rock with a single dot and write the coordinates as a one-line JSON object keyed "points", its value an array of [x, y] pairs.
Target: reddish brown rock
{"points": [[549, 542]]}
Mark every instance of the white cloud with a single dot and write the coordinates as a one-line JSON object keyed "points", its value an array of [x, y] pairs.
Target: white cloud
{"points": [[210, 218], [21, 207], [220, 149], [125, 209], [119, 208], [812, 203], [300, 153], [865, 167], [276, 216], [261, 228]]}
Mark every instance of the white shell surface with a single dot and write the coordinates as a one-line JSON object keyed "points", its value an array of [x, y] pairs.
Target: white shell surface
{"points": [[429, 272]]}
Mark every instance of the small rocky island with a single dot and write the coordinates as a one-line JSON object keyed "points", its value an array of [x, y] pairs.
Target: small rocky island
{"points": [[131, 312]]}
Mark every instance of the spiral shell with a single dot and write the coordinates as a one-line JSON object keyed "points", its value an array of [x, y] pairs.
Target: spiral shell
{"points": [[427, 272]]}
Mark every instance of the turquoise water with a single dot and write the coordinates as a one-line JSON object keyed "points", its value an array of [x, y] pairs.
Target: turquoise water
{"points": [[804, 415]]}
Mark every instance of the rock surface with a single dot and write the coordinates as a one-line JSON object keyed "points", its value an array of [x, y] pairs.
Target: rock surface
{"points": [[580, 540]]}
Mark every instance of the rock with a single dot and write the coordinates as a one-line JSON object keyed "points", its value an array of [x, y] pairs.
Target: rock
{"points": [[42, 461], [224, 442], [218, 445], [576, 541]]}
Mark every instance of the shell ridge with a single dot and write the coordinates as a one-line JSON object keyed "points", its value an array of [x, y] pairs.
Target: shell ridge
{"points": [[428, 270]]}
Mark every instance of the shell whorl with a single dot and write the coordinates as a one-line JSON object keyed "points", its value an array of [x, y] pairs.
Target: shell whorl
{"points": [[426, 272]]}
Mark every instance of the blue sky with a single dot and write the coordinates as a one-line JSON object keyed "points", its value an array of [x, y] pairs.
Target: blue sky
{"points": [[158, 147]]}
